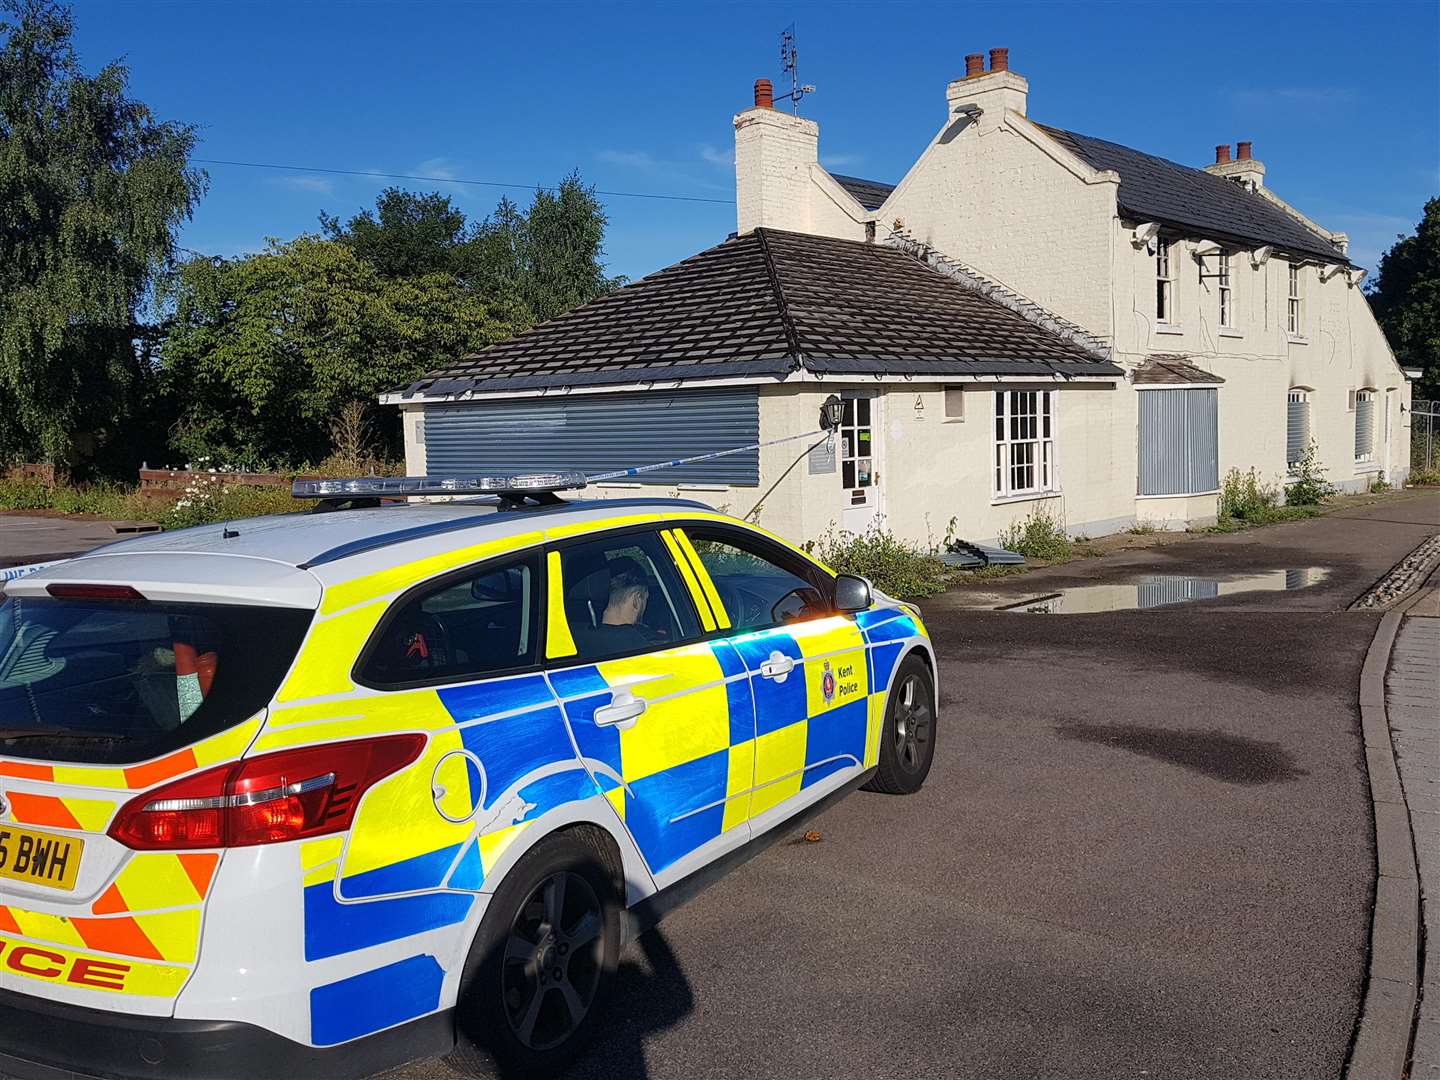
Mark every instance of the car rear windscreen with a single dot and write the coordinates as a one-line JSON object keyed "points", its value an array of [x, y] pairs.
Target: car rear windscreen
{"points": [[119, 681]]}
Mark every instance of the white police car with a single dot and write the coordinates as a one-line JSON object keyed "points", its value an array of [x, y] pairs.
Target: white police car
{"points": [[314, 794]]}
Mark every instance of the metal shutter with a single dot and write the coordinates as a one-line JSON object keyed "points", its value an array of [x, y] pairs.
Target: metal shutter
{"points": [[1364, 428], [600, 434], [1297, 430], [1179, 442]]}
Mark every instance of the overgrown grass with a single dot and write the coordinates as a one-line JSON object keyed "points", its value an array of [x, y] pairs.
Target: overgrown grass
{"points": [[1424, 477], [1039, 535], [208, 500], [893, 565]]}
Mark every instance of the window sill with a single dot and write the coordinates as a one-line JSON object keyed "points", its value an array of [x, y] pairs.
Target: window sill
{"points": [[701, 487], [1230, 332], [1029, 496], [1364, 467], [1297, 339], [1182, 495], [1169, 328]]}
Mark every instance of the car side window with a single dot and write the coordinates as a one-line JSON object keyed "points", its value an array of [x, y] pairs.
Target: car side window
{"points": [[467, 626], [623, 595], [760, 584]]}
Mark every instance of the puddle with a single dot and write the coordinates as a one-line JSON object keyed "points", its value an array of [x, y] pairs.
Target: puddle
{"points": [[1163, 590], [1233, 759]]}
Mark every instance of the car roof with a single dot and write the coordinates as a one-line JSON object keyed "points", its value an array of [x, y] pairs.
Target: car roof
{"points": [[311, 539]]}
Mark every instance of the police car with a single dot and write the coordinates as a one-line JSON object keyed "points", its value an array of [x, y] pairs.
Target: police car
{"points": [[314, 794]]}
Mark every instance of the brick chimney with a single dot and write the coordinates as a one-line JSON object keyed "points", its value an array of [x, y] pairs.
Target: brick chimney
{"points": [[774, 150], [1245, 168], [995, 91]]}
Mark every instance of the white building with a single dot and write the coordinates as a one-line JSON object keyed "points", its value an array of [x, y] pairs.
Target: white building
{"points": [[1201, 324]]}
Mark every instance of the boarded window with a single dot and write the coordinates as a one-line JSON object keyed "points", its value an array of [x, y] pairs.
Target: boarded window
{"points": [[1297, 425], [601, 433], [1179, 441], [1364, 425], [954, 403]]}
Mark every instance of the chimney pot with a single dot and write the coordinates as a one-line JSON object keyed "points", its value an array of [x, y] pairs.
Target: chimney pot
{"points": [[974, 65], [1222, 153], [999, 59], [1243, 150], [764, 94]]}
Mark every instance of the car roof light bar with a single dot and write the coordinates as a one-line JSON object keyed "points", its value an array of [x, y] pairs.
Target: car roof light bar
{"points": [[374, 487]]}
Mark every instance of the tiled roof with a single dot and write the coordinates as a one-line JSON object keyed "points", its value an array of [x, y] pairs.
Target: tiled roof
{"points": [[767, 304], [1154, 189], [870, 194], [1161, 370]]}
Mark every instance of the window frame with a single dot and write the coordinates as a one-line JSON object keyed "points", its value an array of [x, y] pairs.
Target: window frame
{"points": [[852, 398], [419, 592], [1294, 301], [1164, 283], [1224, 289], [822, 581], [576, 659], [1003, 441]]}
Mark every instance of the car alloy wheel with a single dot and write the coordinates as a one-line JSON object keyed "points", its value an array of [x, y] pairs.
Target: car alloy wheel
{"points": [[553, 960], [914, 720]]}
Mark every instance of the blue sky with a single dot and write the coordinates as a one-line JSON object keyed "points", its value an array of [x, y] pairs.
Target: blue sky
{"points": [[1341, 100]]}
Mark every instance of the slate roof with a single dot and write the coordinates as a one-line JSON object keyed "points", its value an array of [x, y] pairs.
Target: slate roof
{"points": [[871, 194], [1161, 370], [768, 304], [1154, 189]]}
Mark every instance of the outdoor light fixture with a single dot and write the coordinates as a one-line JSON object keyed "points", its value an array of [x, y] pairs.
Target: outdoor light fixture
{"points": [[831, 413]]}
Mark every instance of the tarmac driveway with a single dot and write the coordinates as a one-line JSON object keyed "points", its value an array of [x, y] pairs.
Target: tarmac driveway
{"points": [[1145, 850]]}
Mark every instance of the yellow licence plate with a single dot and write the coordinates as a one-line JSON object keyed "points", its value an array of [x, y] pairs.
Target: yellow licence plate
{"points": [[39, 857]]}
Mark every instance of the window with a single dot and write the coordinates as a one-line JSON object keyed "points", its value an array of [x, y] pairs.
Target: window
{"points": [[1178, 451], [759, 584], [1364, 426], [1024, 441], [478, 622], [624, 595], [857, 448], [1294, 314], [1164, 284], [1297, 425], [1227, 296], [954, 403], [117, 681]]}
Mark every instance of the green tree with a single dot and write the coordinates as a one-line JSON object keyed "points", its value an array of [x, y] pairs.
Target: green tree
{"points": [[92, 192], [1406, 299], [264, 351], [548, 258]]}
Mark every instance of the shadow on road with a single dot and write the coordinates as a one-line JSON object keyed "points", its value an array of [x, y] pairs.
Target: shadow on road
{"points": [[651, 994]]}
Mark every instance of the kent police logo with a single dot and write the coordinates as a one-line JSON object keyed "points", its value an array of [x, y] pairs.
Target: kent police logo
{"points": [[827, 684]]}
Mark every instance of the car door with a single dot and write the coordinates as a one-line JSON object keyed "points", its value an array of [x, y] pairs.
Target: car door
{"points": [[807, 666], [660, 710]]}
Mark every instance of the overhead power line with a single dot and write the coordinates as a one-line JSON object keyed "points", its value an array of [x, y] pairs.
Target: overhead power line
{"points": [[454, 180]]}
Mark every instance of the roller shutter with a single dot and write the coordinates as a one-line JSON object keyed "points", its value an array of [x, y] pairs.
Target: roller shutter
{"points": [[1179, 441], [600, 434], [1297, 428]]}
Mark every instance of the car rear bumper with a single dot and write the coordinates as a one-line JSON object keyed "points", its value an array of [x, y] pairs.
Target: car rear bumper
{"points": [[48, 1040]]}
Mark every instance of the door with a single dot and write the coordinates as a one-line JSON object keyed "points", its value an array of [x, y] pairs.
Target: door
{"points": [[858, 453], [807, 665], [661, 715]]}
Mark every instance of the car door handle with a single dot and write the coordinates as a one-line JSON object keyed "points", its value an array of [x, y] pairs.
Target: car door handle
{"points": [[622, 711], [777, 667]]}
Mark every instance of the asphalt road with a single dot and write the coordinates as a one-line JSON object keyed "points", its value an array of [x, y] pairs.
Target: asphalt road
{"points": [[1145, 849]]}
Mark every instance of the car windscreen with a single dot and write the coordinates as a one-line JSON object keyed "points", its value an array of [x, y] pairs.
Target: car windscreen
{"points": [[118, 681]]}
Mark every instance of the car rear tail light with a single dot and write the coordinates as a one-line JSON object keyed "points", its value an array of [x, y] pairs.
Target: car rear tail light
{"points": [[65, 590], [287, 795]]}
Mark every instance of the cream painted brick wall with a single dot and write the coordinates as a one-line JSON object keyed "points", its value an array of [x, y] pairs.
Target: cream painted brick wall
{"points": [[774, 152]]}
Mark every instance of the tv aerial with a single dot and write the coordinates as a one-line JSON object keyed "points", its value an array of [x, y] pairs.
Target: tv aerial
{"points": [[790, 64]]}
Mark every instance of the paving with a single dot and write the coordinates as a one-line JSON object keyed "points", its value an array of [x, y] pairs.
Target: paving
{"points": [[1412, 702], [26, 539], [1146, 849]]}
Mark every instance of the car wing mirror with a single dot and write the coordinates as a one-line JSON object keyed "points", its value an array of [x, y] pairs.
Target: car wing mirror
{"points": [[852, 593]]}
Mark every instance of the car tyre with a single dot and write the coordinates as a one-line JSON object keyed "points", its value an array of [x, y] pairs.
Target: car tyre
{"points": [[907, 736], [546, 950]]}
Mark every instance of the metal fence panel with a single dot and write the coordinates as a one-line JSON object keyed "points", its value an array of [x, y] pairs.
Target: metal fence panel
{"points": [[1425, 436], [600, 433]]}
